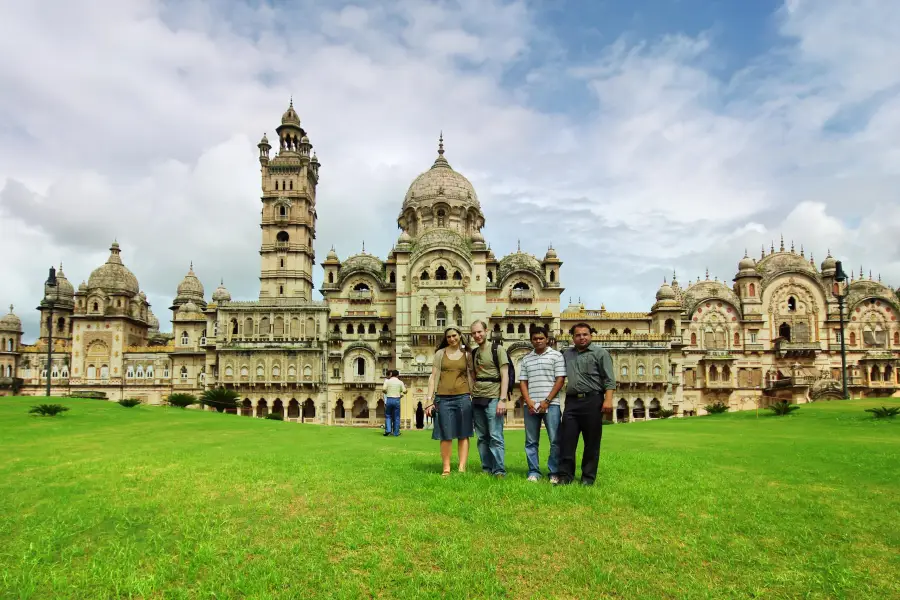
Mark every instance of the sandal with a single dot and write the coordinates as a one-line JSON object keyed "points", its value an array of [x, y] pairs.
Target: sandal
{"points": [[446, 473]]}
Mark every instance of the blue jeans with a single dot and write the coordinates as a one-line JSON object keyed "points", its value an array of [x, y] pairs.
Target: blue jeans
{"points": [[551, 420], [489, 429], [392, 415]]}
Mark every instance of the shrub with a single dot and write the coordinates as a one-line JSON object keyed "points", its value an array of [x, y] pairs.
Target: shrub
{"points": [[717, 408], [129, 402], [274, 417], [220, 398], [48, 410], [783, 408], [88, 394], [665, 413], [884, 412], [182, 400]]}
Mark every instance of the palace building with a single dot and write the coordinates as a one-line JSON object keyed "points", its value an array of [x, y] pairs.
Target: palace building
{"points": [[772, 334]]}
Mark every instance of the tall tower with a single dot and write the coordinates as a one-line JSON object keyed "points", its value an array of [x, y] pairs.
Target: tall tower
{"points": [[288, 213]]}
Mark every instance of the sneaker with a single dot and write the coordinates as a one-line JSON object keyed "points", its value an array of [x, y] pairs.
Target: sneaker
{"points": [[533, 478], [554, 479]]}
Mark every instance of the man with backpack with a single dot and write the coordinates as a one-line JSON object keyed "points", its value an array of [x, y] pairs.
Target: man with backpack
{"points": [[492, 381]]}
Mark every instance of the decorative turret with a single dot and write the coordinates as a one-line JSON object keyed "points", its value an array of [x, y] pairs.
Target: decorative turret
{"points": [[221, 294], [264, 148], [190, 289]]}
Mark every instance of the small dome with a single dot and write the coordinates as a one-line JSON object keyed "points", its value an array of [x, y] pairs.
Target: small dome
{"points": [[114, 276], [332, 255], [11, 322], [746, 263], [64, 287], [665, 292], [551, 254], [830, 263], [190, 287], [404, 238], [304, 140], [264, 141], [221, 294], [189, 307], [290, 116], [477, 237]]}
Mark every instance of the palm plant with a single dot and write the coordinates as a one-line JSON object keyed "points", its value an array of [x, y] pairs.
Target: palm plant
{"points": [[716, 409], [884, 412], [48, 410], [220, 398], [129, 402], [783, 408], [182, 400]]}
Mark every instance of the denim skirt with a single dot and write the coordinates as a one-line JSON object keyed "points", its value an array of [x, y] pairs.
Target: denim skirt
{"points": [[453, 418]]}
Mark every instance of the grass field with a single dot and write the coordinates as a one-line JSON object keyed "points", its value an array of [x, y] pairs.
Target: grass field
{"points": [[150, 502]]}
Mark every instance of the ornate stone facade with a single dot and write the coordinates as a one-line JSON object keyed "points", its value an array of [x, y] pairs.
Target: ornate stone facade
{"points": [[771, 334]]}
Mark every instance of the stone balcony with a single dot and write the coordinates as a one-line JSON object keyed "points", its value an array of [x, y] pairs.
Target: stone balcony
{"points": [[360, 295], [521, 295]]}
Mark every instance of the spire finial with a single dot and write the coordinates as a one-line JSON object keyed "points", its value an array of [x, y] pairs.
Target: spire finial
{"points": [[10, 308], [292, 101], [664, 280], [801, 249], [870, 274], [792, 246], [221, 281], [518, 245], [707, 273], [192, 265], [745, 253], [441, 143], [772, 247], [364, 246], [879, 278], [762, 253], [782, 243]]}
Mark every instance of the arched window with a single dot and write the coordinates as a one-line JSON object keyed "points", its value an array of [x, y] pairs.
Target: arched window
{"points": [[165, 371], [185, 339], [9, 370], [264, 328], [425, 276], [360, 365], [670, 327], [260, 371], [792, 304], [896, 338], [693, 339], [657, 370], [713, 373], [751, 290], [330, 277], [291, 184], [139, 373], [640, 370], [457, 316], [184, 372], [307, 372], [626, 331], [457, 276], [521, 328], [282, 210], [372, 328], [624, 371], [276, 185], [737, 339], [55, 372], [229, 372], [510, 328], [349, 328], [613, 331], [9, 344], [281, 263], [245, 372], [283, 237], [552, 276], [281, 288], [149, 371], [234, 327], [440, 314], [490, 276], [61, 324], [292, 372], [521, 285], [424, 316], [440, 274], [276, 372], [96, 307], [441, 218], [392, 277], [852, 338], [91, 372]]}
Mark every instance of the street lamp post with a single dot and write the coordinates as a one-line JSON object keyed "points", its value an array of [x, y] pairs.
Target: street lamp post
{"points": [[840, 277], [51, 282]]}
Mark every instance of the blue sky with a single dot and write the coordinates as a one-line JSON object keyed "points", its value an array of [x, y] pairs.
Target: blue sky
{"points": [[636, 137]]}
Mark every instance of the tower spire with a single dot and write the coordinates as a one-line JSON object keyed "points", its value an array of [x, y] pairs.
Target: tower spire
{"points": [[441, 143]]}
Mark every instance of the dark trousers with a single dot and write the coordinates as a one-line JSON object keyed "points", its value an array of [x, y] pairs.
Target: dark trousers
{"points": [[582, 417]]}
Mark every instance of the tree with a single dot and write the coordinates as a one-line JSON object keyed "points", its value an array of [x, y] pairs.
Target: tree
{"points": [[220, 398], [182, 400]]}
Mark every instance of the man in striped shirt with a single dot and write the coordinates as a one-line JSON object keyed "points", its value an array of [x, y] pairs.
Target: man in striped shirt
{"points": [[541, 377]]}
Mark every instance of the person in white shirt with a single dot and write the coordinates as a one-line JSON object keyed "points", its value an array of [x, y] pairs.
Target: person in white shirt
{"points": [[542, 374], [393, 389]]}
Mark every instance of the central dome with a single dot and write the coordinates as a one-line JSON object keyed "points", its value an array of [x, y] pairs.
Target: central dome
{"points": [[441, 183], [114, 276]]}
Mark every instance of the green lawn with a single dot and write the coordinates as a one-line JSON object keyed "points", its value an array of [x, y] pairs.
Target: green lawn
{"points": [[150, 502]]}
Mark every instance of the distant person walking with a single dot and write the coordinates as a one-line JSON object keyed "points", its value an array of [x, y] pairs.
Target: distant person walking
{"points": [[589, 394], [489, 399], [451, 384], [393, 389], [542, 374]]}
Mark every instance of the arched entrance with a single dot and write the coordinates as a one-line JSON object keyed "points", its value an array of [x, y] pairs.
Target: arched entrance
{"points": [[654, 409], [247, 408], [379, 410], [638, 411], [622, 410], [309, 409], [262, 408], [278, 408], [339, 412], [360, 408], [293, 409]]}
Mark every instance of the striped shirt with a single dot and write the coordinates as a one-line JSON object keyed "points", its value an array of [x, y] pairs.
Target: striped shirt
{"points": [[541, 371]]}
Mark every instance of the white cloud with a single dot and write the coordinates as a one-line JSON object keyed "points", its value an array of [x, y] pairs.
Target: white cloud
{"points": [[139, 122]]}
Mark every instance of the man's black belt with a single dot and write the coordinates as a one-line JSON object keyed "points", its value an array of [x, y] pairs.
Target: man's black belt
{"points": [[583, 394]]}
